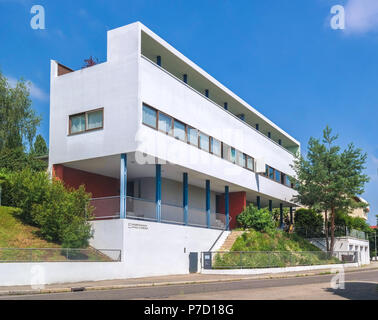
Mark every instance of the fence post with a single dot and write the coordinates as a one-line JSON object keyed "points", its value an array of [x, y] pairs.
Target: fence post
{"points": [[240, 262]]}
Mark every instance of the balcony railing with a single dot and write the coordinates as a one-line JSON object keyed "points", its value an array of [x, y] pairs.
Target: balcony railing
{"points": [[275, 259], [143, 209]]}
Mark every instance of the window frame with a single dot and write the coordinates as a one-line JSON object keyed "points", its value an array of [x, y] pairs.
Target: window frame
{"points": [[185, 130], [208, 141], [85, 113], [157, 116], [188, 128], [211, 147], [170, 133]]}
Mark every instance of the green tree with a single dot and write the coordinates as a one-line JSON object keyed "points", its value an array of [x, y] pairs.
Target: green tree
{"points": [[328, 179], [40, 146], [258, 219], [60, 214], [18, 121], [308, 223]]}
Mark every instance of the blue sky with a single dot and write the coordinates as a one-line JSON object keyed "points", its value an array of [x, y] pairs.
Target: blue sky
{"points": [[281, 56]]}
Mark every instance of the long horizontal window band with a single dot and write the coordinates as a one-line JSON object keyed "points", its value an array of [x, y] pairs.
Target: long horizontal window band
{"points": [[86, 121], [160, 121], [278, 176]]}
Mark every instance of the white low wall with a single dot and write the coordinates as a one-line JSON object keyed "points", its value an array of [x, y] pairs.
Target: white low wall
{"points": [[152, 248], [17, 274], [148, 249], [278, 270]]}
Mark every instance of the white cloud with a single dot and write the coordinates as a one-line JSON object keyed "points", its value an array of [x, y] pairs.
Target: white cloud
{"points": [[35, 91], [361, 16]]}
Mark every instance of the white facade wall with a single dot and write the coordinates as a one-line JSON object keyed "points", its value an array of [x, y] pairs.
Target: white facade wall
{"points": [[164, 92], [112, 85], [120, 85], [152, 248]]}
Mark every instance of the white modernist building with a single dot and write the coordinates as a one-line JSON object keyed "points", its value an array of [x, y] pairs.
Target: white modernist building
{"points": [[170, 155], [153, 136]]}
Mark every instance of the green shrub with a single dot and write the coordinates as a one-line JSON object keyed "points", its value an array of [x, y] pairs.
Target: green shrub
{"points": [[24, 188], [308, 223], [63, 217], [258, 219]]}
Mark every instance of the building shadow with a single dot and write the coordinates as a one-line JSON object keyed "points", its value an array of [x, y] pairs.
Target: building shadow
{"points": [[357, 291]]}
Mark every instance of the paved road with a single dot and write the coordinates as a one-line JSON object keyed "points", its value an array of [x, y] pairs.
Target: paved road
{"points": [[358, 285]]}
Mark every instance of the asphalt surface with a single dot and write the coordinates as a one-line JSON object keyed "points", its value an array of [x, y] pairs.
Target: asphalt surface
{"points": [[358, 285]]}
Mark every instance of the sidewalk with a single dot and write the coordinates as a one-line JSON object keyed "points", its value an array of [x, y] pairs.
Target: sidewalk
{"points": [[162, 281]]}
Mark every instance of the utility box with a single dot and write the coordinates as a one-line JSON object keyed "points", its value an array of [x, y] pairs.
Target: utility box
{"points": [[207, 260], [193, 262]]}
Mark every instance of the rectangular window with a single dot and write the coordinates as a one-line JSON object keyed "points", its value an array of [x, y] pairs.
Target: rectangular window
{"points": [[149, 116], [249, 163], [278, 176], [266, 170], [86, 121], [216, 147], [240, 159], [77, 123], [193, 136], [271, 173], [287, 181], [179, 130], [226, 152], [204, 143], [94, 119], [233, 155], [165, 123]]}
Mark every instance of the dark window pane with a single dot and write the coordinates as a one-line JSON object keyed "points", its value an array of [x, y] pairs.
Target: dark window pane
{"points": [[271, 173], [278, 176]]}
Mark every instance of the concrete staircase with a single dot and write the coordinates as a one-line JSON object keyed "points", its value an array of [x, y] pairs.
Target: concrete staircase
{"points": [[228, 243]]}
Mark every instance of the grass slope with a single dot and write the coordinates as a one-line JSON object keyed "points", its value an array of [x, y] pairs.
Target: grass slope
{"points": [[278, 241], [16, 235], [254, 249]]}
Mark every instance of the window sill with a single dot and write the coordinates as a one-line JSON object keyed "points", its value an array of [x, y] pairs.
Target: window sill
{"points": [[86, 131]]}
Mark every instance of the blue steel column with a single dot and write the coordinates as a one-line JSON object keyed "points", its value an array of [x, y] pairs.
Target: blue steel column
{"points": [[208, 203], [158, 192], [185, 197], [258, 202], [281, 215], [227, 207], [123, 186], [270, 206]]}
